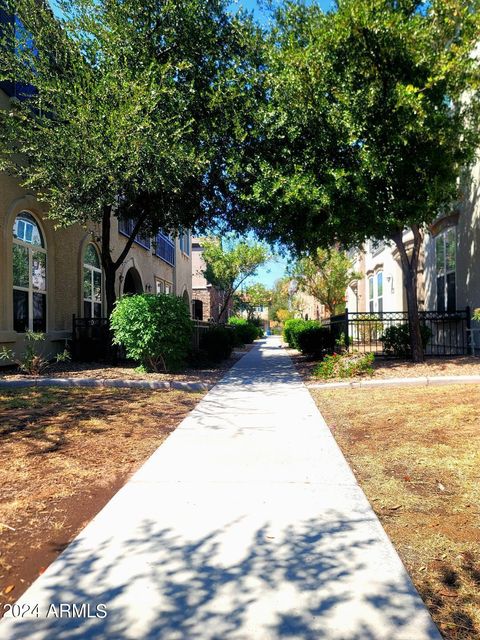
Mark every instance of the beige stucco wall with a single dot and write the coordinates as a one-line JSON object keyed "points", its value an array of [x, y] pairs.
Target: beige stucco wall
{"points": [[183, 273]]}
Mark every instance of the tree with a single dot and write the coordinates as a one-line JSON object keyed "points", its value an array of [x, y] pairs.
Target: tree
{"points": [[371, 120], [254, 296], [229, 262], [127, 109], [325, 275]]}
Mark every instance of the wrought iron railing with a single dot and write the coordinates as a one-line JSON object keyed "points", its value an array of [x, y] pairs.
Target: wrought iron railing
{"points": [[447, 332]]}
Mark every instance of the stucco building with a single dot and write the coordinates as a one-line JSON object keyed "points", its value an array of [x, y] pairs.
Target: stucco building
{"points": [[207, 300]]}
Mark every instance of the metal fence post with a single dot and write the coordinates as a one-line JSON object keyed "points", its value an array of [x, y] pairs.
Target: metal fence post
{"points": [[347, 336]]}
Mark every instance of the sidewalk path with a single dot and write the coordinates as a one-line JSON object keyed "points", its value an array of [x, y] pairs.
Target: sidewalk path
{"points": [[246, 524]]}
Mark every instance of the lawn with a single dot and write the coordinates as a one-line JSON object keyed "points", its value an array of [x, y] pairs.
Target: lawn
{"points": [[416, 454], [64, 453]]}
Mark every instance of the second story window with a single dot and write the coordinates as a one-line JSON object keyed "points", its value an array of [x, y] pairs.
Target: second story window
{"points": [[445, 262], [184, 241], [126, 226], [165, 248]]}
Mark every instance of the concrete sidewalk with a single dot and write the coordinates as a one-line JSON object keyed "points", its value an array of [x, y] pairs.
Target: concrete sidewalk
{"points": [[246, 524]]}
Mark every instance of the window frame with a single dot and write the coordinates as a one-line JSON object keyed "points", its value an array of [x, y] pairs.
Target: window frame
{"points": [[31, 290], [443, 303], [92, 269]]}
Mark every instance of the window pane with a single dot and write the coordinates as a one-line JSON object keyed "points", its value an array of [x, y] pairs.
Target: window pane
{"points": [[97, 286], [380, 305], [25, 228], [451, 298], [439, 254], [87, 309], [370, 288], [20, 310], [20, 266], [39, 312], [380, 284], [441, 294], [97, 310], [451, 249], [39, 270], [92, 257], [87, 284]]}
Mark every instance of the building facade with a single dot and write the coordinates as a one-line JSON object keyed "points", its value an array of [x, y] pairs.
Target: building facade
{"points": [[208, 300]]}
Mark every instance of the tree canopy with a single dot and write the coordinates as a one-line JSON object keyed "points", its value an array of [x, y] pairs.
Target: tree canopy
{"points": [[372, 118], [325, 275], [134, 107], [230, 261]]}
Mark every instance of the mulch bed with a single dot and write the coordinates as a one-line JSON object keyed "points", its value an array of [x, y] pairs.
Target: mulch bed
{"points": [[384, 368], [64, 453]]}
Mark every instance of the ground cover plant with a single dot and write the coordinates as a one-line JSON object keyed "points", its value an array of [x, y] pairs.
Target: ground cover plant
{"points": [[63, 454], [424, 486], [345, 365]]}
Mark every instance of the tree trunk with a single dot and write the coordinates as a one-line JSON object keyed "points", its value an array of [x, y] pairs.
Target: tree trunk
{"points": [[109, 268], [410, 280]]}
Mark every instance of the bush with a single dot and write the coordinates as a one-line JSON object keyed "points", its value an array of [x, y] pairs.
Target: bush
{"points": [[344, 366], [245, 332], [290, 330], [258, 324], [396, 340], [315, 341], [217, 343], [155, 330], [367, 327]]}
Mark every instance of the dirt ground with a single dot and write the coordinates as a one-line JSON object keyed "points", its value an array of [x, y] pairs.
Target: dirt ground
{"points": [[416, 454], [384, 368], [210, 374], [64, 453]]}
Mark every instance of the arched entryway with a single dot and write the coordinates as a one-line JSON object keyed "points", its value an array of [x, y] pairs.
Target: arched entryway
{"points": [[132, 283]]}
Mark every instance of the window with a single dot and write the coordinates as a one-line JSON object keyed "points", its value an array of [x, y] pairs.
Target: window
{"points": [[165, 248], [92, 283], [380, 291], [376, 247], [29, 275], [371, 299], [185, 242], [162, 286], [126, 226], [445, 261]]}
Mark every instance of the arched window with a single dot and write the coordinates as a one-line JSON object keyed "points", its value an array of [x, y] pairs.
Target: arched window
{"points": [[92, 283], [29, 275]]}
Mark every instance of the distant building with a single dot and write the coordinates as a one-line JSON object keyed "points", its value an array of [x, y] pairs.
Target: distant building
{"points": [[207, 300]]}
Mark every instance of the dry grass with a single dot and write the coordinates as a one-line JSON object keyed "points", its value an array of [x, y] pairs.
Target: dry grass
{"points": [[416, 454], [64, 453]]}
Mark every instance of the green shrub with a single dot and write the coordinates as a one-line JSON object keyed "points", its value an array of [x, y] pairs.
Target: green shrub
{"points": [[217, 343], [245, 331], [344, 366], [155, 330], [396, 340], [290, 330], [258, 323], [476, 315], [315, 340]]}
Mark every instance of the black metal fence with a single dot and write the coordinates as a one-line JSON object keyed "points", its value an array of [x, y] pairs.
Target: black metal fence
{"points": [[92, 340], [446, 333]]}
